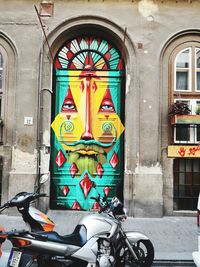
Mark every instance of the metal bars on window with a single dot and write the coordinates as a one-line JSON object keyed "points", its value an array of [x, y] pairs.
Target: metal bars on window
{"points": [[186, 183]]}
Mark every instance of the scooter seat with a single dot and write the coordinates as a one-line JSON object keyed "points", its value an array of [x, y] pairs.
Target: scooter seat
{"points": [[77, 238]]}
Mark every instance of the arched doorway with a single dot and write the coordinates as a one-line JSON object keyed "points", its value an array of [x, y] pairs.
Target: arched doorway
{"points": [[87, 123]]}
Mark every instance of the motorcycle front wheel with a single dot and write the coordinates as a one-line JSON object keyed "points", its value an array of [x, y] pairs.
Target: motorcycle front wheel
{"points": [[144, 251]]}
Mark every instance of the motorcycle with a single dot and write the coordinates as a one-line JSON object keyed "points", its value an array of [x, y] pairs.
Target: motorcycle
{"points": [[2, 239], [97, 241]]}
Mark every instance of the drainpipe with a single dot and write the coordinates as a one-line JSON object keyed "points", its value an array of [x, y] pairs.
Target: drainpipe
{"points": [[38, 145]]}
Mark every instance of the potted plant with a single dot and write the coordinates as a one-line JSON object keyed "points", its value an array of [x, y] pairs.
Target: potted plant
{"points": [[179, 108]]}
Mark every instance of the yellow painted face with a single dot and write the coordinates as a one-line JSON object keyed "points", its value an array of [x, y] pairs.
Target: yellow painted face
{"points": [[87, 122]]}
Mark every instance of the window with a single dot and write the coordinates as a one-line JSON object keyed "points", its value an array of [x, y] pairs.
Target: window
{"points": [[185, 87], [197, 73], [2, 89], [1, 71], [183, 71], [186, 183]]}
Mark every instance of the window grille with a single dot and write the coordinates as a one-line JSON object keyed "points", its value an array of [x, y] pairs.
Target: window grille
{"points": [[186, 183]]}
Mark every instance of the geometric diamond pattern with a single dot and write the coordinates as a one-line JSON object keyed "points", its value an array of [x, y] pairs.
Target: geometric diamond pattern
{"points": [[60, 158], [114, 160], [86, 185], [65, 190], [100, 170], [73, 169], [106, 190]]}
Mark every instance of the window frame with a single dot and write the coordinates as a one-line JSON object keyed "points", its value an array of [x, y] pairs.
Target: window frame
{"points": [[3, 92], [196, 69], [184, 183], [192, 95], [182, 69]]}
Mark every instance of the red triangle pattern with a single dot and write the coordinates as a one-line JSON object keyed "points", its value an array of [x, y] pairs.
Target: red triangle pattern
{"points": [[96, 206], [76, 206]]}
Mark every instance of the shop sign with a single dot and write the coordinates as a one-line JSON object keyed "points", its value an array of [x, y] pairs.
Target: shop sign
{"points": [[184, 151]]}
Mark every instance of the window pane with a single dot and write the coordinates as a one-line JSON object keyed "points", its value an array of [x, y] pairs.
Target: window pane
{"points": [[182, 133], [197, 108], [196, 165], [1, 78], [198, 133], [183, 59], [181, 178], [1, 61], [198, 58], [1, 70], [182, 80], [198, 80], [196, 178], [188, 165]]}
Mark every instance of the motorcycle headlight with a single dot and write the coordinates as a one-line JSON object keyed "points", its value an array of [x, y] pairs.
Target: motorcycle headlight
{"points": [[117, 207]]}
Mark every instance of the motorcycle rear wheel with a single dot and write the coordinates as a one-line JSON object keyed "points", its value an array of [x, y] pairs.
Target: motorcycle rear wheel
{"points": [[144, 251]]}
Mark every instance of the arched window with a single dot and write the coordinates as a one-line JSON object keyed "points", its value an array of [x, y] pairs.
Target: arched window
{"points": [[3, 62], [88, 52], [185, 123], [185, 90]]}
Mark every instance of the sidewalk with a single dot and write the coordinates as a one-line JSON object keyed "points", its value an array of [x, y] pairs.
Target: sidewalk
{"points": [[174, 238]]}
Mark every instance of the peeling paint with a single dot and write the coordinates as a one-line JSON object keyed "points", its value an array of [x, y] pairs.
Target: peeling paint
{"points": [[128, 82], [147, 8], [46, 138], [44, 164], [156, 169]]}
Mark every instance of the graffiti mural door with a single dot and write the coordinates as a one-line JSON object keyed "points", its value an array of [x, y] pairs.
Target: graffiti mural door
{"points": [[87, 140]]}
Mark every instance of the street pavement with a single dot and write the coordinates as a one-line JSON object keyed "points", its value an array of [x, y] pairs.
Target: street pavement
{"points": [[174, 238]]}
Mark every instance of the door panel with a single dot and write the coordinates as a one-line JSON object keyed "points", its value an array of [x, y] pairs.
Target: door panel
{"points": [[87, 141]]}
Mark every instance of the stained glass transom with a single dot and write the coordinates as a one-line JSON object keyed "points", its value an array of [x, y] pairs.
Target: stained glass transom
{"points": [[88, 53]]}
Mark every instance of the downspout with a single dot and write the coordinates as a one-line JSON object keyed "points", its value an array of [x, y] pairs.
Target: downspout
{"points": [[38, 145]]}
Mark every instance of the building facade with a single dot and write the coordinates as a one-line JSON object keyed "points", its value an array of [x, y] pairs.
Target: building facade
{"points": [[102, 96]]}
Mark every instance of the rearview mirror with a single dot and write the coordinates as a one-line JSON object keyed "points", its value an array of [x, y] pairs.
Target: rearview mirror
{"points": [[44, 178]]}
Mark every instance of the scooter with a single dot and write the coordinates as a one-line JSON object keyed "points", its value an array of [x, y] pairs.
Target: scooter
{"points": [[97, 241], [37, 221]]}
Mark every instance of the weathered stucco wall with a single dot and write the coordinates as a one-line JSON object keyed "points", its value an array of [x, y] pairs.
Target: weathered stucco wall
{"points": [[150, 25]]}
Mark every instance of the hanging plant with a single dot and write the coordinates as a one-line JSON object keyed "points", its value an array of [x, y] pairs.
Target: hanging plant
{"points": [[179, 108]]}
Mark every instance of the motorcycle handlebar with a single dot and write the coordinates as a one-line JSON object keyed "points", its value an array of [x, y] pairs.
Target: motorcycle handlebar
{"points": [[4, 206], [22, 198], [95, 198]]}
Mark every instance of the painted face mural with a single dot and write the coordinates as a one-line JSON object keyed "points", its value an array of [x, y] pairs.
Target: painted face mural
{"points": [[87, 143]]}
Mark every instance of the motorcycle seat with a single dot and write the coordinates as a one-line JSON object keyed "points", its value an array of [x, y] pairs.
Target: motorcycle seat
{"points": [[77, 238]]}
